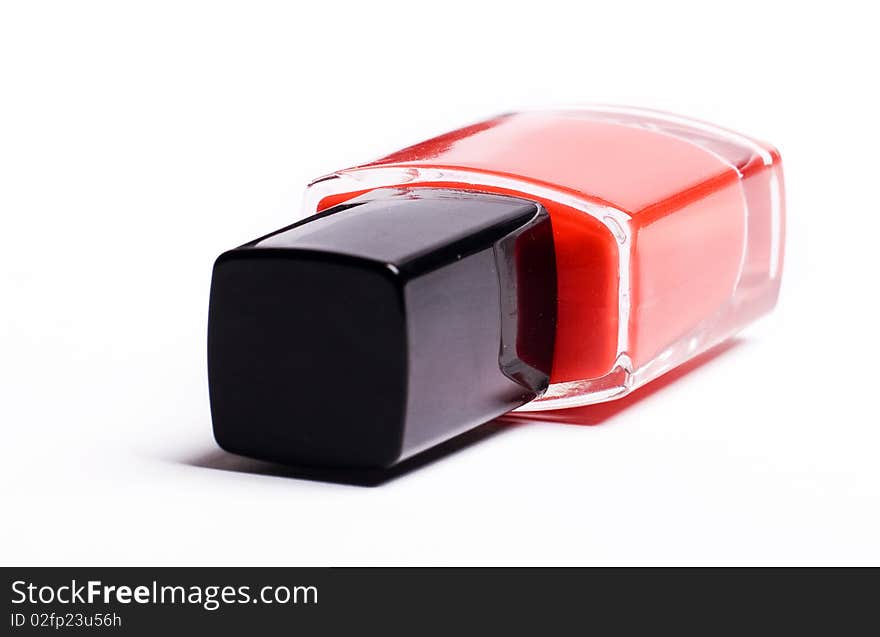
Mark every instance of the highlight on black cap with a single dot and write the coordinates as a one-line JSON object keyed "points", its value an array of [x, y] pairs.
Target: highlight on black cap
{"points": [[381, 327]]}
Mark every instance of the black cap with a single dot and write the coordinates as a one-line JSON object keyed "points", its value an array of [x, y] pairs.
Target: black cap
{"points": [[380, 327]]}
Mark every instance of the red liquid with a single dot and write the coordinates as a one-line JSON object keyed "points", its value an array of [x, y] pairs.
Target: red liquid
{"points": [[688, 224]]}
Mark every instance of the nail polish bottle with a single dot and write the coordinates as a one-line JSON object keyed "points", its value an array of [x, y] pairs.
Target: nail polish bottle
{"points": [[536, 260]]}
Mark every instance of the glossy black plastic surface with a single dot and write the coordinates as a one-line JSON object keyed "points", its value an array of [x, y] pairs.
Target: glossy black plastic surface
{"points": [[381, 327]]}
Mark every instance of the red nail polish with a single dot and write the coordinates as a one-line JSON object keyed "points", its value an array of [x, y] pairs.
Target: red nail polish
{"points": [[533, 261]]}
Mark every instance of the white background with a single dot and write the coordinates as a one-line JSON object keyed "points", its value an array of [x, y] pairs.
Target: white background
{"points": [[139, 140]]}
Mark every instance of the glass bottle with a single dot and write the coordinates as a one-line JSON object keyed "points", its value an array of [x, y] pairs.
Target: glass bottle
{"points": [[668, 231]]}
